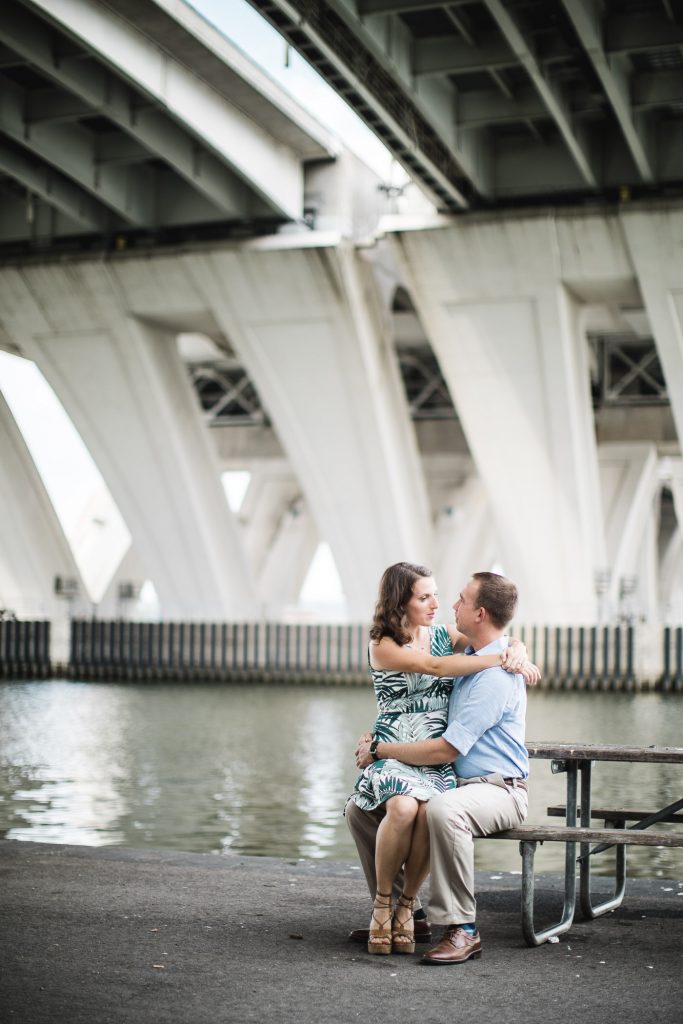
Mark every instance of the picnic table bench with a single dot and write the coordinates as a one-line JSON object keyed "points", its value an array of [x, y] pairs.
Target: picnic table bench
{"points": [[577, 760]]}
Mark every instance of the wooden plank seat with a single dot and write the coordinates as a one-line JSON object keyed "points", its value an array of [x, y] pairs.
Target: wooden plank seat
{"points": [[615, 814], [529, 836], [566, 834], [606, 752]]}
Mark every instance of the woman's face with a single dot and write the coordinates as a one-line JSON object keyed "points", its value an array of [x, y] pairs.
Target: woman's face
{"points": [[423, 604]]}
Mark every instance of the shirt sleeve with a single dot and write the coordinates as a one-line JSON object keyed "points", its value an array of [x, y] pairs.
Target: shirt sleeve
{"points": [[483, 708]]}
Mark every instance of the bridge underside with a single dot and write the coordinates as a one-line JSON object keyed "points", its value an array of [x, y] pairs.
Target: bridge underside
{"points": [[490, 103], [122, 124]]}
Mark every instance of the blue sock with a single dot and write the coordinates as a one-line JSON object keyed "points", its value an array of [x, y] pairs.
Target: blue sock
{"points": [[470, 928]]}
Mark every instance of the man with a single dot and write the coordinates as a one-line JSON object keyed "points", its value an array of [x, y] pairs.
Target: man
{"points": [[485, 740]]}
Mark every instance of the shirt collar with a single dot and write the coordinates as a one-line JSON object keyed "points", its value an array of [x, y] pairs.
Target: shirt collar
{"points": [[495, 647]]}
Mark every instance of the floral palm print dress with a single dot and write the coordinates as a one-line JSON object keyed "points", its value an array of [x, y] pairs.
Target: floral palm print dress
{"points": [[410, 706]]}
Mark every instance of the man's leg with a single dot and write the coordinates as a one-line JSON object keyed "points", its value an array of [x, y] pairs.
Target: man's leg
{"points": [[363, 827], [455, 819]]}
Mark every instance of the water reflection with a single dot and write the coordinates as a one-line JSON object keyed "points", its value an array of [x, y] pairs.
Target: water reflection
{"points": [[266, 770]]}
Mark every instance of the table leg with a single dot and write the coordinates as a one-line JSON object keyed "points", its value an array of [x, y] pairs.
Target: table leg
{"points": [[528, 851], [587, 909]]}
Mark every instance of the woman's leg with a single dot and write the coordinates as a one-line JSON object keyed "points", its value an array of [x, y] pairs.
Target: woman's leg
{"points": [[417, 862], [394, 837], [416, 870], [391, 849]]}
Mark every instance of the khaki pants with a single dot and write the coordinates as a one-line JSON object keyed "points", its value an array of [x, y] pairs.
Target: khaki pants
{"points": [[476, 808], [363, 827]]}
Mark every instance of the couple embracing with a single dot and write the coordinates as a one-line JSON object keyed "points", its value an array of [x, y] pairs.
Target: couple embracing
{"points": [[446, 760]]}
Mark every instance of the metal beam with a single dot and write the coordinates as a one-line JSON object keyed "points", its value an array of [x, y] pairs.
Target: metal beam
{"points": [[53, 106], [71, 150], [116, 148], [452, 55], [54, 188], [480, 108], [193, 127], [335, 42], [656, 89], [461, 24], [435, 99], [109, 97], [553, 101], [640, 32], [613, 78], [366, 7]]}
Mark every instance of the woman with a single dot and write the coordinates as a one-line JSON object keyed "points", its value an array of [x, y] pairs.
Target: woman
{"points": [[410, 657]]}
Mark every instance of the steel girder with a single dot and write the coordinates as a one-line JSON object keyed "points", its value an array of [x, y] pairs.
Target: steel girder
{"points": [[111, 133], [488, 102]]}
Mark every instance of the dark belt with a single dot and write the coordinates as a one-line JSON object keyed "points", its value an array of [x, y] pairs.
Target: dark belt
{"points": [[512, 783], [517, 783]]}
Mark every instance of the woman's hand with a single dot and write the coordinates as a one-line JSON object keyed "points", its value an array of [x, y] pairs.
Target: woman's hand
{"points": [[514, 656], [516, 659], [363, 755], [530, 673]]}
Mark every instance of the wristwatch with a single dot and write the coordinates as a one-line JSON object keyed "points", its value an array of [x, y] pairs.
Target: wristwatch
{"points": [[373, 750]]}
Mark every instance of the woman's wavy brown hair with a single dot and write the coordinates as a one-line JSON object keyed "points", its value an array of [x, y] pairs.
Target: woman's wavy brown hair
{"points": [[395, 590]]}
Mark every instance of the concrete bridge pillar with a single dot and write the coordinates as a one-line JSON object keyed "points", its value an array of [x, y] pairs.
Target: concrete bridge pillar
{"points": [[505, 329], [288, 560], [279, 535], [465, 540], [671, 577], [654, 239], [307, 327], [671, 573], [126, 390], [630, 485], [33, 548], [112, 604]]}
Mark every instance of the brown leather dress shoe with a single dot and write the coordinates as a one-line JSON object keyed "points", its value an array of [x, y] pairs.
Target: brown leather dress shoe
{"points": [[455, 947], [423, 932]]}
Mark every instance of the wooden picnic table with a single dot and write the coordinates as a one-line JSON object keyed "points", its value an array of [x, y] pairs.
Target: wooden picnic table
{"points": [[576, 760]]}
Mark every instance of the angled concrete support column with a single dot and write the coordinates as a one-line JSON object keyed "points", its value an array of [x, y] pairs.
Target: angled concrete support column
{"points": [[33, 548], [288, 560], [642, 604], [305, 325], [671, 581], [279, 534], [654, 241], [128, 394], [505, 330], [671, 569], [465, 539], [129, 570], [272, 488], [630, 483]]}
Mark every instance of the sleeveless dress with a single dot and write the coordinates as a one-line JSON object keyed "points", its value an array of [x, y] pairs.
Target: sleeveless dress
{"points": [[411, 706]]}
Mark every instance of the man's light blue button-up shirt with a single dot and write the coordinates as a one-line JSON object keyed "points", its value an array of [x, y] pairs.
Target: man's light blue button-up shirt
{"points": [[486, 718]]}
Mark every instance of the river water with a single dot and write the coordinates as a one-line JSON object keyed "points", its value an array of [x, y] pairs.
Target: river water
{"points": [[265, 770]]}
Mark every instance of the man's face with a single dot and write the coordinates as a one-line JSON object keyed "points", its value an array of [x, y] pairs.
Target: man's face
{"points": [[466, 607]]}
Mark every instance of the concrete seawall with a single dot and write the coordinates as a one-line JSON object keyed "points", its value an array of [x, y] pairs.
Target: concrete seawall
{"points": [[117, 935], [616, 657]]}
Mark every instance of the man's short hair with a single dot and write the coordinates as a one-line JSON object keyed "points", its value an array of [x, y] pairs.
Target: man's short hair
{"points": [[498, 596]]}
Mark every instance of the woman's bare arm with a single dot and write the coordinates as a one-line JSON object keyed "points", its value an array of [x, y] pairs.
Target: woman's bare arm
{"points": [[515, 657], [386, 654]]}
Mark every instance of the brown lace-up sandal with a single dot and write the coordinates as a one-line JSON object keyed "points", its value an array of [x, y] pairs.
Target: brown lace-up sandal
{"points": [[403, 926], [380, 937]]}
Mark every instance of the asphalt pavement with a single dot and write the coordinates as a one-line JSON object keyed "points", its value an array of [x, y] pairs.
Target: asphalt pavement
{"points": [[119, 936]]}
